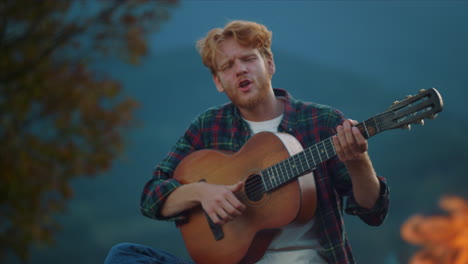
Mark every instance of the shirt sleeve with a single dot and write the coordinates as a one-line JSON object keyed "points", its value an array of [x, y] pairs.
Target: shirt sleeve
{"points": [[376, 215], [343, 185], [162, 183]]}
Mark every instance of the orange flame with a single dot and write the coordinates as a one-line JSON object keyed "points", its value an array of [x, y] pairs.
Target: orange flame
{"points": [[444, 238]]}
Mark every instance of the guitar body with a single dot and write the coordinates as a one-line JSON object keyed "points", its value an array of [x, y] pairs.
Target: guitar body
{"points": [[246, 238]]}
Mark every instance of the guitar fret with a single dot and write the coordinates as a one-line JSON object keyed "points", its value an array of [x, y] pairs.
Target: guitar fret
{"points": [[365, 127], [318, 153], [275, 180], [330, 148], [324, 148], [312, 154], [280, 179], [301, 168], [279, 169], [376, 126], [294, 165], [285, 168], [265, 186], [301, 161], [280, 174], [307, 161], [267, 179], [290, 167]]}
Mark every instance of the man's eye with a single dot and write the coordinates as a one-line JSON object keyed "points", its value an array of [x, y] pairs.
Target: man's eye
{"points": [[226, 67]]}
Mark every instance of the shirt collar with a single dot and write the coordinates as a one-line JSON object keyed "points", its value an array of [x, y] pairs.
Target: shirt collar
{"points": [[289, 118]]}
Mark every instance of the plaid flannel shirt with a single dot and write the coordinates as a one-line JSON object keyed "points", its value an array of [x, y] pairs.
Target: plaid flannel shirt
{"points": [[223, 128]]}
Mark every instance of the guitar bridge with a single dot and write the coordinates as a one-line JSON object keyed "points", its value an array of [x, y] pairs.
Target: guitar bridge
{"points": [[216, 229]]}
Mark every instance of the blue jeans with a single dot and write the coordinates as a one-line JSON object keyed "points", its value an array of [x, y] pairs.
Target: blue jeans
{"points": [[124, 253]]}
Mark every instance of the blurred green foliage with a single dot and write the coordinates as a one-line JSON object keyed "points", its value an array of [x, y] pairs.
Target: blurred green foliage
{"points": [[60, 119]]}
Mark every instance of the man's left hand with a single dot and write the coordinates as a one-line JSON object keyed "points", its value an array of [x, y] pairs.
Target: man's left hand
{"points": [[350, 144]]}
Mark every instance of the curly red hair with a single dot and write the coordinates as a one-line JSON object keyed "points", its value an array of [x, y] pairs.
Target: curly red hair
{"points": [[246, 33]]}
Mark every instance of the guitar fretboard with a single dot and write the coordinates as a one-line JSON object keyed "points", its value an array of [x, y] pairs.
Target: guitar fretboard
{"points": [[306, 161]]}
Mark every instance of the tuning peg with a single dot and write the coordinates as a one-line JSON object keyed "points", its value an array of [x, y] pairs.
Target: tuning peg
{"points": [[395, 102], [420, 122], [408, 96], [406, 127], [422, 90], [433, 116]]}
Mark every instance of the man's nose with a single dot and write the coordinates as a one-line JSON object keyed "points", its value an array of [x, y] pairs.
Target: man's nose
{"points": [[240, 68]]}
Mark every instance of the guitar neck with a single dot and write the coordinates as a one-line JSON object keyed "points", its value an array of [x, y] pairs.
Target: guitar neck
{"points": [[306, 161]]}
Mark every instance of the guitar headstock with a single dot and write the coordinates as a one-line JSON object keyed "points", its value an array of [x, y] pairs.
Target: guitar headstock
{"points": [[411, 110]]}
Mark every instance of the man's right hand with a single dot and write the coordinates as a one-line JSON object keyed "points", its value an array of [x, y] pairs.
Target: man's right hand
{"points": [[219, 201]]}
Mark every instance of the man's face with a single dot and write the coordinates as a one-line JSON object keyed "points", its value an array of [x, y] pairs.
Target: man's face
{"points": [[243, 74]]}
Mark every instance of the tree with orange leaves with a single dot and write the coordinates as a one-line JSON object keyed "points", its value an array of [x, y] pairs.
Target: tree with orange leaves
{"points": [[61, 119], [444, 238]]}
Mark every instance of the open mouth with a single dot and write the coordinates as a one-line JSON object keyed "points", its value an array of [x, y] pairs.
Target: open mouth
{"points": [[244, 83]]}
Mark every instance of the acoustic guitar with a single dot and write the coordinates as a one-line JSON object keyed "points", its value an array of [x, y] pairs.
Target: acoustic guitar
{"points": [[279, 188]]}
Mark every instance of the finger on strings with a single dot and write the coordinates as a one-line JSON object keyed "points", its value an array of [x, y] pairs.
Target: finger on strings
{"points": [[351, 141], [223, 215], [215, 218], [338, 148], [360, 140], [234, 206]]}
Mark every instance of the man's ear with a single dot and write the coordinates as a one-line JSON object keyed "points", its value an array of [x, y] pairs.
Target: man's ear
{"points": [[217, 82], [271, 66]]}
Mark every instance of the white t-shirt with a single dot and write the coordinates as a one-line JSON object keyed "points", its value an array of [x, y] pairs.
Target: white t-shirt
{"points": [[294, 244]]}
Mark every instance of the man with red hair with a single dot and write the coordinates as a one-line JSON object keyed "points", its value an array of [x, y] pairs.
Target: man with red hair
{"points": [[241, 62]]}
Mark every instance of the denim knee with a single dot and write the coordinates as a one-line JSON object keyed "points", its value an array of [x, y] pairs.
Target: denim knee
{"points": [[122, 247], [134, 253]]}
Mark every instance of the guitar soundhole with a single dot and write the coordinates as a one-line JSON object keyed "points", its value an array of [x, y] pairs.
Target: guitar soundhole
{"points": [[254, 187]]}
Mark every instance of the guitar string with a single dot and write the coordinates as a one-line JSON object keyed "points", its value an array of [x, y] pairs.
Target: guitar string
{"points": [[305, 157], [287, 171], [327, 149], [301, 158], [281, 166]]}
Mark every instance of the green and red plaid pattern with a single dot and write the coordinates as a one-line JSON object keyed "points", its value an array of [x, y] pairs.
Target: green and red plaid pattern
{"points": [[223, 128]]}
